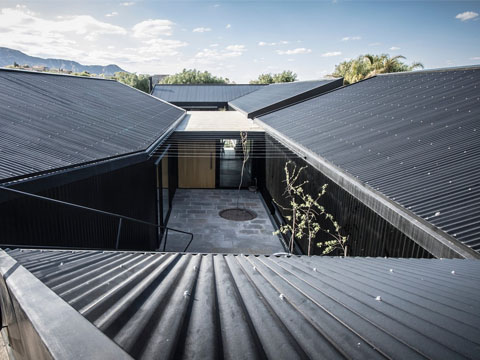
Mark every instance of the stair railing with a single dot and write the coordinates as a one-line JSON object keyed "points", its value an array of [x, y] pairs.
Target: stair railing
{"points": [[120, 218]]}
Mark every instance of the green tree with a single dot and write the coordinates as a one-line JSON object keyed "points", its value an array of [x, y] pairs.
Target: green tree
{"points": [[284, 76], [84, 74], [306, 212], [193, 76], [369, 65], [139, 82]]}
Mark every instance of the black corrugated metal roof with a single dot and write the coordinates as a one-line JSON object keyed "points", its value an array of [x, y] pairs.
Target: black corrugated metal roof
{"points": [[202, 93], [53, 121], [275, 96], [412, 136], [204, 306]]}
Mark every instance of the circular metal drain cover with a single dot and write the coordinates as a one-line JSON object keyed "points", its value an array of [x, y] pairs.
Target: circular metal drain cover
{"points": [[237, 214]]}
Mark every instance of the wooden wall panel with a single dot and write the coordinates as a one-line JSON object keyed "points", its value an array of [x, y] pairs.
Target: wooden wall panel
{"points": [[165, 172], [196, 165]]}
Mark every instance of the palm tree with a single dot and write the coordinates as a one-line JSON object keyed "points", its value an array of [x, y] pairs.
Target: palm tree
{"points": [[368, 65]]}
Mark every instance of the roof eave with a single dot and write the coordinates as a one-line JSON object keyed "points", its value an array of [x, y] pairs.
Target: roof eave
{"points": [[425, 234]]}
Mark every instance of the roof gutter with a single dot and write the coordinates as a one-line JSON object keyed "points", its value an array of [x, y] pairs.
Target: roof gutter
{"points": [[434, 240], [49, 178], [151, 149], [43, 326]]}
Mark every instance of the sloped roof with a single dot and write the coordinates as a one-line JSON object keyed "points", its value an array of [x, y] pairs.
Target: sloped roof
{"points": [[55, 121], [175, 305], [412, 136], [202, 93], [276, 96]]}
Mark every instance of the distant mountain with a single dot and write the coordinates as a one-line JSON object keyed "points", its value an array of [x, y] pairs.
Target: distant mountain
{"points": [[9, 56]]}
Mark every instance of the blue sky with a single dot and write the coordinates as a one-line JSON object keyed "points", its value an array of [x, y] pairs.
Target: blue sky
{"points": [[241, 39]]}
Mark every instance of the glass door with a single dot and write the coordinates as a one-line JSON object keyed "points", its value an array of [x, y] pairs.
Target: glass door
{"points": [[230, 164]]}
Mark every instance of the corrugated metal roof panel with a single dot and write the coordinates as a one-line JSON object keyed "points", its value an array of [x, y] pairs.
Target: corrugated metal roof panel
{"points": [[53, 121], [203, 306], [412, 136], [205, 93], [275, 96]]}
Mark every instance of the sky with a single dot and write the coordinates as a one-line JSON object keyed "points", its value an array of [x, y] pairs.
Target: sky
{"points": [[242, 39]]}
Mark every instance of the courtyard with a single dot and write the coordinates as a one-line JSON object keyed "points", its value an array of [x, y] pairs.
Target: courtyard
{"points": [[197, 211]]}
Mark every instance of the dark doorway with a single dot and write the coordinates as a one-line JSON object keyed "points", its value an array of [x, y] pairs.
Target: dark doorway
{"points": [[230, 164]]}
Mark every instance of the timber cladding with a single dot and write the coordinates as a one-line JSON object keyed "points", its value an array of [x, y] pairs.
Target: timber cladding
{"points": [[196, 165]]}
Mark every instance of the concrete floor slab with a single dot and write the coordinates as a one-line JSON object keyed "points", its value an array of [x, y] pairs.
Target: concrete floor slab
{"points": [[197, 211]]}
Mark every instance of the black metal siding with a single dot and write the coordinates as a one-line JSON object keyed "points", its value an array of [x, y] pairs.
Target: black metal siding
{"points": [[369, 234], [52, 121], [411, 136], [129, 191], [202, 94], [225, 306]]}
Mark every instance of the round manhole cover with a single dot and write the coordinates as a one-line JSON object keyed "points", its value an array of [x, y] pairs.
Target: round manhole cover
{"points": [[237, 214]]}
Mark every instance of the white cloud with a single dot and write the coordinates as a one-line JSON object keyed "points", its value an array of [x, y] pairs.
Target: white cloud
{"points": [[263, 43], [294, 51], [127, 3], [90, 41], [228, 26], [113, 13], [154, 48], [393, 48], [153, 28], [349, 38], [201, 29], [213, 45], [25, 30], [467, 15], [375, 44], [216, 5], [332, 53], [475, 58], [236, 47], [207, 56], [24, 9]]}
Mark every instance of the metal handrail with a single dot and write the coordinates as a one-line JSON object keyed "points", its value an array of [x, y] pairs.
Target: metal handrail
{"points": [[120, 217]]}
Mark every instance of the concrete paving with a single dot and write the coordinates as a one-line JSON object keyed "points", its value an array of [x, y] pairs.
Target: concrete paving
{"points": [[196, 211]]}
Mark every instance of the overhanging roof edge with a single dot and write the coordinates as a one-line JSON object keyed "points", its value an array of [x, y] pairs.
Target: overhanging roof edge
{"points": [[238, 109], [24, 294], [291, 99], [165, 135], [410, 224], [304, 96]]}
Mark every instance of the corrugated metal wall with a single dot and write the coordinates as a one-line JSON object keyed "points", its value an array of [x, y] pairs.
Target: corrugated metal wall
{"points": [[129, 191], [369, 234], [202, 93]]}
